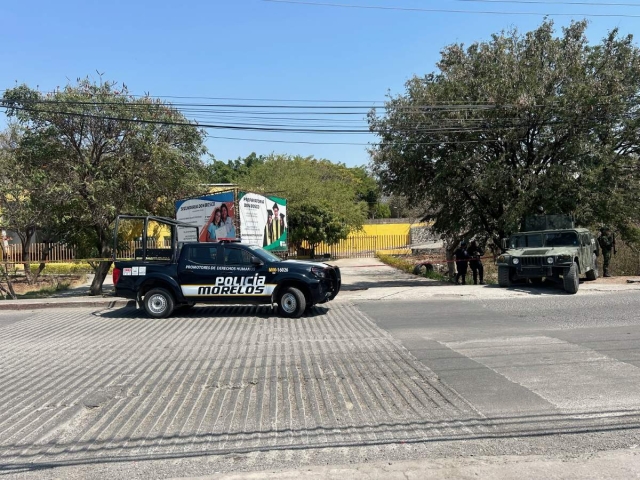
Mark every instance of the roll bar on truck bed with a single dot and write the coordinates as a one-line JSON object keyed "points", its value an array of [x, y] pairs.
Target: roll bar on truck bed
{"points": [[145, 252]]}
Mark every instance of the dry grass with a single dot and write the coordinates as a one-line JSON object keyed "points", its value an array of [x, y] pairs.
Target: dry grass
{"points": [[45, 286]]}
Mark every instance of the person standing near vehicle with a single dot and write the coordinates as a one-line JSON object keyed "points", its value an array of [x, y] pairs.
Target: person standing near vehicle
{"points": [[462, 261], [475, 255], [607, 241]]}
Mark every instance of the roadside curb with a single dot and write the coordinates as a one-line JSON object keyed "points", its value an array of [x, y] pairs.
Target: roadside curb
{"points": [[56, 303]]}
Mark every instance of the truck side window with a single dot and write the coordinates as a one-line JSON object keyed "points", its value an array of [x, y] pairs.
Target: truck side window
{"points": [[236, 256], [204, 255]]}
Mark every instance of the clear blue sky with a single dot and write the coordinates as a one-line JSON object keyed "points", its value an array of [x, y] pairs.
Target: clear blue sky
{"points": [[258, 49]]}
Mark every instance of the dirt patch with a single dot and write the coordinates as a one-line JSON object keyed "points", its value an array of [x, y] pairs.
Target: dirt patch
{"points": [[618, 280], [46, 284]]}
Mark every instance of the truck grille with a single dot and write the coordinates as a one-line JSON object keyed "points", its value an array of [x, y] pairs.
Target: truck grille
{"points": [[532, 261]]}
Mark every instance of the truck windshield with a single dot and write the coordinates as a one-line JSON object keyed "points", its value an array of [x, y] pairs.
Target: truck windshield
{"points": [[263, 254], [561, 239], [524, 241]]}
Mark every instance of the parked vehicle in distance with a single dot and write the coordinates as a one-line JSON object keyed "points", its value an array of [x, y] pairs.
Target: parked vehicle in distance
{"points": [[225, 272], [550, 247]]}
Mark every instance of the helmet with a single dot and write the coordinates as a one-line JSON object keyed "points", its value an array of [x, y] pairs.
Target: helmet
{"points": [[463, 242]]}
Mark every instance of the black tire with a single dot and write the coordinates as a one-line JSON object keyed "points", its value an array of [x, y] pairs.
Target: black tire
{"points": [[291, 303], [593, 274], [158, 303], [571, 280], [504, 277]]}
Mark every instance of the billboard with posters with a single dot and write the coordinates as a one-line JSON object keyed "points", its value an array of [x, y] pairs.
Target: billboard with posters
{"points": [[263, 220], [214, 214]]}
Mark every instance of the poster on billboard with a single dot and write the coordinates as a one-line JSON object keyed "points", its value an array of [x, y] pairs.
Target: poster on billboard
{"points": [[214, 214], [264, 221]]}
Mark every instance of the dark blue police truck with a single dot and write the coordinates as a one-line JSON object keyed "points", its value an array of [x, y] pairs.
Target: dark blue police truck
{"points": [[225, 272]]}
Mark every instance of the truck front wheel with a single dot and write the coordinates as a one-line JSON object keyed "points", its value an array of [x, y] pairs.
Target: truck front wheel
{"points": [[504, 276], [291, 303], [158, 303], [571, 279]]}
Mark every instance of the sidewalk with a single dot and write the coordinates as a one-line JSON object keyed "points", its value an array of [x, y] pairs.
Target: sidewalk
{"points": [[615, 464], [73, 297]]}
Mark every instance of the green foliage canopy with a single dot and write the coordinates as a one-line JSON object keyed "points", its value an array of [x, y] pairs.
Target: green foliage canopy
{"points": [[106, 152], [323, 198], [514, 123]]}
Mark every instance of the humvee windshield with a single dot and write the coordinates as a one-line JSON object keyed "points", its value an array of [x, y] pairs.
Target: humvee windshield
{"points": [[555, 239]]}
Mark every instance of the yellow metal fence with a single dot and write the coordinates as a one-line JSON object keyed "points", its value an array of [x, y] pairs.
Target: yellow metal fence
{"points": [[355, 246], [358, 246]]}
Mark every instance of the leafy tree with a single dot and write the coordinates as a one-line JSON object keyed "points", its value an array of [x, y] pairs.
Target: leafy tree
{"points": [[514, 123], [217, 171], [315, 224], [24, 201], [106, 152], [323, 203], [369, 191]]}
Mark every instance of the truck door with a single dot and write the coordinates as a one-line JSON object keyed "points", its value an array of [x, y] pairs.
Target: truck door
{"points": [[242, 281], [197, 271]]}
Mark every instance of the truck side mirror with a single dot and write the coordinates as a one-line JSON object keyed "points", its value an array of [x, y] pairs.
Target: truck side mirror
{"points": [[256, 261], [504, 244]]}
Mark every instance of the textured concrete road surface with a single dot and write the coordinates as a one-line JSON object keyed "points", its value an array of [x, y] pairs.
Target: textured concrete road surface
{"points": [[380, 387], [84, 387]]}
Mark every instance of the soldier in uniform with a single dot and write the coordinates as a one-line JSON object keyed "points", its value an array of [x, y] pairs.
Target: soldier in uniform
{"points": [[462, 261], [475, 254], [607, 243]]}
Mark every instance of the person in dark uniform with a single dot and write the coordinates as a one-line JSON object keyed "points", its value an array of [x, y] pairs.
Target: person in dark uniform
{"points": [[475, 262], [462, 261], [607, 243]]}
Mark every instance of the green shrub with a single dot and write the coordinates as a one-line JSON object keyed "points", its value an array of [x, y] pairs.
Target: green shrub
{"points": [[64, 268], [407, 265]]}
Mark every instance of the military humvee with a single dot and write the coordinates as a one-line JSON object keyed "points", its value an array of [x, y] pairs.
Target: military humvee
{"points": [[549, 246]]}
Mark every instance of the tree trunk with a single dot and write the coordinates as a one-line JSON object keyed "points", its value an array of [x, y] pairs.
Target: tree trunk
{"points": [[5, 272], [43, 258], [449, 249], [100, 274], [26, 261]]}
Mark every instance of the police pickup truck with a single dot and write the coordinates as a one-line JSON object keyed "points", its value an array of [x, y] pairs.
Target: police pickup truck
{"points": [[225, 272]]}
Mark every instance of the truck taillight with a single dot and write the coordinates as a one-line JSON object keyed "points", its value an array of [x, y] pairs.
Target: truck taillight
{"points": [[116, 275]]}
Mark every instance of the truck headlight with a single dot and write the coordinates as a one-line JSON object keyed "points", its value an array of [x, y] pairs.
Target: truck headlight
{"points": [[318, 272], [550, 260], [564, 259], [515, 261], [502, 259]]}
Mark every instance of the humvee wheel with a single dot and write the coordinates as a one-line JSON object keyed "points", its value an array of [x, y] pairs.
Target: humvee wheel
{"points": [[504, 276], [593, 273], [570, 279]]}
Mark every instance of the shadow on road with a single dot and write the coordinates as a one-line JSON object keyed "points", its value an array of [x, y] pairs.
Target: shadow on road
{"points": [[23, 457], [209, 311]]}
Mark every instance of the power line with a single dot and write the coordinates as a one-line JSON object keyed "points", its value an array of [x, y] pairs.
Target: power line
{"points": [[440, 10], [541, 2]]}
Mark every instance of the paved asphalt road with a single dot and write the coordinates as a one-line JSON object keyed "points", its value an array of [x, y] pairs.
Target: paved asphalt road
{"points": [[110, 393]]}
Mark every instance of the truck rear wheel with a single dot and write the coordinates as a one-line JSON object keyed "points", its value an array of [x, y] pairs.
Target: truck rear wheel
{"points": [[570, 279], [158, 303], [291, 303], [504, 276]]}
